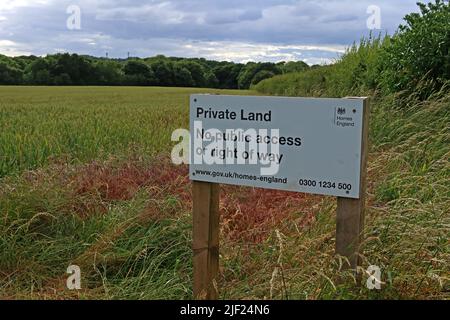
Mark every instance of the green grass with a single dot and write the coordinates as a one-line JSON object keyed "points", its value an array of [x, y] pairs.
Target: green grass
{"points": [[355, 73], [86, 181], [407, 232], [78, 124]]}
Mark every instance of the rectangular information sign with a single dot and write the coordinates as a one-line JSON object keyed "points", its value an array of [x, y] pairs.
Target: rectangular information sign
{"points": [[310, 145]]}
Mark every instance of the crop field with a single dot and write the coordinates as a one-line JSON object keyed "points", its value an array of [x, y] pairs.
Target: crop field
{"points": [[86, 179], [80, 124]]}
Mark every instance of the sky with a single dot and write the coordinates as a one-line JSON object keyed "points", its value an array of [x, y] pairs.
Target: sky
{"points": [[314, 31]]}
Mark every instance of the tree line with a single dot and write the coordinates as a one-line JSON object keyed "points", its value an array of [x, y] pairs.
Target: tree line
{"points": [[74, 69]]}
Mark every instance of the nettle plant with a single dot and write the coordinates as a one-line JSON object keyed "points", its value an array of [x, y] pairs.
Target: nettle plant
{"points": [[418, 56]]}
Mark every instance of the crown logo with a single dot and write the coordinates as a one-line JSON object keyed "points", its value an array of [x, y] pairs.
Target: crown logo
{"points": [[341, 111]]}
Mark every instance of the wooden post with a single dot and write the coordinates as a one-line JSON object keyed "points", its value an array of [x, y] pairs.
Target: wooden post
{"points": [[350, 212], [205, 239]]}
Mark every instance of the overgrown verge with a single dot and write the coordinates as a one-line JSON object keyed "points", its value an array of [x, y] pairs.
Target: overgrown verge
{"points": [[407, 232], [124, 224]]}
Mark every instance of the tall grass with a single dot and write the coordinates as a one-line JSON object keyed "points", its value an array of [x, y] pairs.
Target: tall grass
{"points": [[407, 220], [407, 232], [355, 73], [41, 125], [129, 249]]}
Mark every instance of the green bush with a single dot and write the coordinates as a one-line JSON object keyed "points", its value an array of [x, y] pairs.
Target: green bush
{"points": [[357, 72], [418, 56], [248, 73]]}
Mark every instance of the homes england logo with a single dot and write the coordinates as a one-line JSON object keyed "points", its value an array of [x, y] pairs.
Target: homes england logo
{"points": [[341, 111]]}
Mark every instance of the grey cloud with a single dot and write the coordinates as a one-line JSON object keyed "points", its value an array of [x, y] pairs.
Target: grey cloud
{"points": [[175, 27], [341, 18], [232, 16]]}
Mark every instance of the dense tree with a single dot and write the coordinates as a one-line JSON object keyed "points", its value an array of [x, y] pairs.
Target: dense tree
{"points": [[63, 79], [197, 72], [227, 75], [262, 75], [109, 72], [211, 80], [10, 74], [73, 69], [138, 73], [38, 72], [294, 66], [164, 72], [183, 76], [248, 73]]}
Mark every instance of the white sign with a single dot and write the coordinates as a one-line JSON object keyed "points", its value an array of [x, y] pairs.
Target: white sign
{"points": [[296, 144]]}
